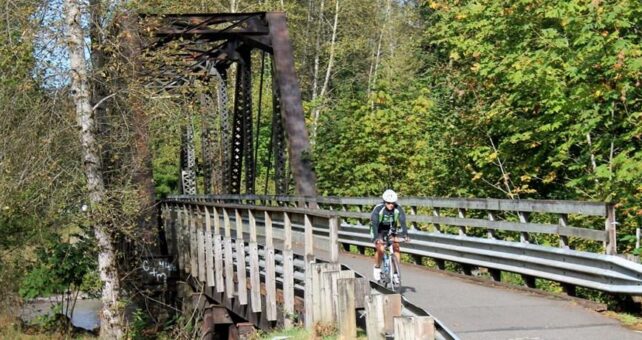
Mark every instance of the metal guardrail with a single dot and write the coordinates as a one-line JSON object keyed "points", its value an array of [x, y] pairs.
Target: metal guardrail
{"points": [[602, 272]]}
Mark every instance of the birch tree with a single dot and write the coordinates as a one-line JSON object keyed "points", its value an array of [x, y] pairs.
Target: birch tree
{"points": [[111, 327]]}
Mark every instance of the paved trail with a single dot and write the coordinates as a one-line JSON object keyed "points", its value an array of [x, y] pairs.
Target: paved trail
{"points": [[475, 311]]}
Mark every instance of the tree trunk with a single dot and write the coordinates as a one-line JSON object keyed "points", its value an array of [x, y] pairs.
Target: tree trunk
{"points": [[328, 72], [111, 327], [141, 161]]}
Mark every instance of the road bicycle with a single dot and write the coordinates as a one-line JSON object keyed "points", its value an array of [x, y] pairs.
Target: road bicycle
{"points": [[390, 264]]}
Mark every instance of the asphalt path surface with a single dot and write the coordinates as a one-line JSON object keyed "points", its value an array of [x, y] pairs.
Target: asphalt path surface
{"points": [[475, 310]]}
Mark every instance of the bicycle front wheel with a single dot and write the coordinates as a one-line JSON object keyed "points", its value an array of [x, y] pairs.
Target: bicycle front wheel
{"points": [[395, 268]]}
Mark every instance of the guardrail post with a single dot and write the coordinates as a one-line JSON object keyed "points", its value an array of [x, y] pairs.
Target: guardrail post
{"points": [[255, 280], [241, 275], [347, 315], [288, 272], [414, 327], [611, 245]]}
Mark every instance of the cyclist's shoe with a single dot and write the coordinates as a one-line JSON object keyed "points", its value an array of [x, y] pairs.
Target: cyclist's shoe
{"points": [[395, 279], [376, 273]]}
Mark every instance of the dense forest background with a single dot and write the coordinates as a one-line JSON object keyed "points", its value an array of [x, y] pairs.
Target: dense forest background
{"points": [[505, 99]]}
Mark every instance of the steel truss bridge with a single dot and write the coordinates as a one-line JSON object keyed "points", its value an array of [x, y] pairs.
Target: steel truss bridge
{"points": [[276, 260]]}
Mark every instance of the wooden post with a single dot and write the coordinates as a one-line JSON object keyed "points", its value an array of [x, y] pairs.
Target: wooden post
{"points": [[609, 224], [462, 214], [229, 261], [523, 218], [563, 221], [347, 316], [322, 292], [255, 279], [218, 253], [375, 322], [334, 239], [270, 271], [414, 327], [435, 212], [490, 233], [334, 290], [200, 238], [288, 272], [309, 235], [209, 251], [241, 274]]}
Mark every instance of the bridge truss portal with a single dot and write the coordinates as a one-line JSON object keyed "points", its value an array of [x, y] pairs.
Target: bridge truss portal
{"points": [[211, 48]]}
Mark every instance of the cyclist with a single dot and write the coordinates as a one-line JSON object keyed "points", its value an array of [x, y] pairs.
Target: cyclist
{"points": [[386, 217]]}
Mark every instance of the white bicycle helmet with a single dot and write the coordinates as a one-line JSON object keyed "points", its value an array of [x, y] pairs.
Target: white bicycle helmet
{"points": [[389, 196]]}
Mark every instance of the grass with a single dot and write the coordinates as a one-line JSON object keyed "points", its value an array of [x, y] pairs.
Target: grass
{"points": [[321, 332]]}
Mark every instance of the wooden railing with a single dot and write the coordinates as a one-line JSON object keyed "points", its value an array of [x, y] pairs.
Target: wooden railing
{"points": [[253, 263]]}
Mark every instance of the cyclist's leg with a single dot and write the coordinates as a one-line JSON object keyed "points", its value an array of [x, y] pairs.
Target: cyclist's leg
{"points": [[376, 270]]}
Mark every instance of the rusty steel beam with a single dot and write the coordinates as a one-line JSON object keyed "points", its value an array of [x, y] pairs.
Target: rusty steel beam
{"points": [[291, 106]]}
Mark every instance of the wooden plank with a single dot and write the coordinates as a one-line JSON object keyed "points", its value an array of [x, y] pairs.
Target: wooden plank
{"points": [[179, 239], [309, 236], [270, 286], [585, 233], [193, 246], [209, 251], [414, 327], [200, 247], [288, 288], [229, 269], [308, 293], [255, 279], [287, 231], [218, 253], [270, 271], [347, 315], [375, 322], [343, 274], [241, 274]]}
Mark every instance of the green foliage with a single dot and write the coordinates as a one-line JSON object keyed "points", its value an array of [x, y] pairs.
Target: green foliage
{"points": [[62, 267]]}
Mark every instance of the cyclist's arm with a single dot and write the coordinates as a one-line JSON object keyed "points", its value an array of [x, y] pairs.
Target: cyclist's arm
{"points": [[402, 222], [374, 221]]}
